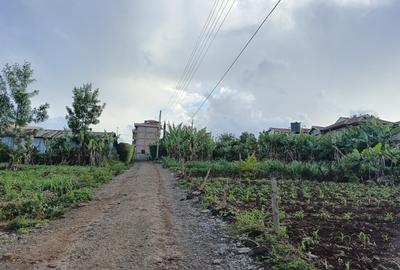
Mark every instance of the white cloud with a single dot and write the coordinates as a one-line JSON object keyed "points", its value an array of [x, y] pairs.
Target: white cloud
{"points": [[313, 62]]}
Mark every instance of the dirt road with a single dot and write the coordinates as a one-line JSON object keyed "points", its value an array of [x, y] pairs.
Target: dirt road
{"points": [[137, 221]]}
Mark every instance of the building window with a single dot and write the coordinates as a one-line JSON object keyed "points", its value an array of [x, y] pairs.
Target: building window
{"points": [[143, 151]]}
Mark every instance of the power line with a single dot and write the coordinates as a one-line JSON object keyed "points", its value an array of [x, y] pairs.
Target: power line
{"points": [[210, 33], [195, 48], [211, 37], [199, 39], [237, 58], [200, 51]]}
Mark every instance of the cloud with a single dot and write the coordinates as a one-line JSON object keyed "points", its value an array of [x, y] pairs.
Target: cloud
{"points": [[54, 123], [314, 61]]}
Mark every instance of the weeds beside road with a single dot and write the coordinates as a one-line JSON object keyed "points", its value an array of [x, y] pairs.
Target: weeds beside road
{"points": [[34, 194]]}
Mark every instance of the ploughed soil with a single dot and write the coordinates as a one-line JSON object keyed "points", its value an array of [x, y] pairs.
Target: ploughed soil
{"points": [[139, 220], [365, 242]]}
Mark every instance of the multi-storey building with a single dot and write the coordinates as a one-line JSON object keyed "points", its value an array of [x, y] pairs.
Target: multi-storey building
{"points": [[144, 135]]}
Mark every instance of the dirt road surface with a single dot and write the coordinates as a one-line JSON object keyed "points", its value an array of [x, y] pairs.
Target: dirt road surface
{"points": [[137, 221]]}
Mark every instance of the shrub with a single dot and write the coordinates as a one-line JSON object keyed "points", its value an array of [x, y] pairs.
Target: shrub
{"points": [[162, 152], [248, 167], [125, 152], [170, 163], [4, 153], [252, 220]]}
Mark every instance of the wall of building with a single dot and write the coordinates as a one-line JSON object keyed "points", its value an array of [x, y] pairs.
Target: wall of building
{"points": [[144, 136], [38, 143]]}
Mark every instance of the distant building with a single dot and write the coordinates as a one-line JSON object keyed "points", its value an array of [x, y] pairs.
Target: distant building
{"points": [[345, 122], [340, 124], [144, 135], [295, 127], [315, 130], [41, 137]]}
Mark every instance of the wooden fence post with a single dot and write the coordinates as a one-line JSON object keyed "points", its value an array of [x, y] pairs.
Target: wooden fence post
{"points": [[275, 208]]}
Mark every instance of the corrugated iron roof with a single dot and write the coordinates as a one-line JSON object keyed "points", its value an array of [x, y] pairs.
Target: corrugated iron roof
{"points": [[352, 121], [54, 133]]}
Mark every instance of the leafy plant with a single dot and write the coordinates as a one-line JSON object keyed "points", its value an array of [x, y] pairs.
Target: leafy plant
{"points": [[125, 152], [253, 220], [248, 167]]}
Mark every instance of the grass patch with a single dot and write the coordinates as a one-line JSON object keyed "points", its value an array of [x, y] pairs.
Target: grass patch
{"points": [[36, 193], [23, 224]]}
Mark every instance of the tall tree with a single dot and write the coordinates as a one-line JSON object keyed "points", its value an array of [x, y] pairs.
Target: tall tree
{"points": [[16, 109], [86, 109]]}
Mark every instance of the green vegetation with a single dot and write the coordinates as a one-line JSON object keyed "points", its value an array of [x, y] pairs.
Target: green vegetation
{"points": [[369, 152], [186, 143], [34, 194], [86, 110], [126, 152], [16, 110], [338, 194], [31, 194], [4, 153], [78, 146], [337, 223]]}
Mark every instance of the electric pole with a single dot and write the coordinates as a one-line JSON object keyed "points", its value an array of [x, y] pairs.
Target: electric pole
{"points": [[158, 135]]}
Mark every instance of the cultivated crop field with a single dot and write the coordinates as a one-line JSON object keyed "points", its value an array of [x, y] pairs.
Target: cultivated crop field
{"points": [[327, 225], [36, 193]]}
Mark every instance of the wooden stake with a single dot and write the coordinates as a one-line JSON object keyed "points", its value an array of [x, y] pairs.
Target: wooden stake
{"points": [[275, 208], [202, 185]]}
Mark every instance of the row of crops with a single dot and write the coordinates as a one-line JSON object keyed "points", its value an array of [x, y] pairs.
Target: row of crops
{"points": [[369, 152], [36, 193], [338, 192], [324, 225]]}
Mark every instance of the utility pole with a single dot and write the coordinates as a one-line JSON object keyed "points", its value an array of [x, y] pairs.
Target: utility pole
{"points": [[164, 129], [158, 138]]}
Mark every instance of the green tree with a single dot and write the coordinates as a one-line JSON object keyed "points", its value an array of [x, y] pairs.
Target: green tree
{"points": [[16, 109], [247, 145], [187, 143], [86, 109], [226, 147]]}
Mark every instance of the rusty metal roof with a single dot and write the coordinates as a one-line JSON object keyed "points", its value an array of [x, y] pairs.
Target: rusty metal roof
{"points": [[54, 133], [352, 121]]}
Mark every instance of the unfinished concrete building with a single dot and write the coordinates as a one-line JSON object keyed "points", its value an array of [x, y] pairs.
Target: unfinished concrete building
{"points": [[144, 135]]}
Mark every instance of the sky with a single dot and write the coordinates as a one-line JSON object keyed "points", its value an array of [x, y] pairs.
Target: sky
{"points": [[313, 61]]}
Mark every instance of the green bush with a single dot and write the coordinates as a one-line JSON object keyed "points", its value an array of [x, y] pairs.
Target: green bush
{"points": [[170, 163], [248, 167], [162, 152], [125, 152], [4, 153]]}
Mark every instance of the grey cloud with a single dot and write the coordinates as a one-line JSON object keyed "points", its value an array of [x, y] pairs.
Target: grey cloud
{"points": [[315, 61]]}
